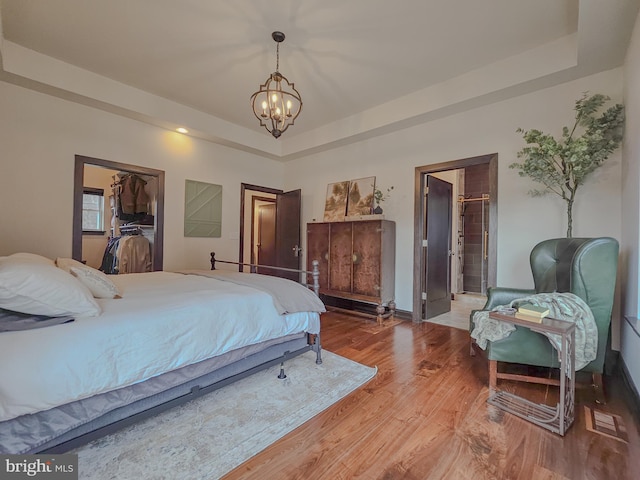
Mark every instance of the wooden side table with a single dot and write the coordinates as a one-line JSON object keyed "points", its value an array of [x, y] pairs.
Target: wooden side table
{"points": [[558, 419]]}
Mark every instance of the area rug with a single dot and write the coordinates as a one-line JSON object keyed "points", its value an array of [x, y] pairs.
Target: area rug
{"points": [[210, 436]]}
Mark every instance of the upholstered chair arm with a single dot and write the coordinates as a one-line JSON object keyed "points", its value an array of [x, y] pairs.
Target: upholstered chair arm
{"points": [[504, 295], [500, 296]]}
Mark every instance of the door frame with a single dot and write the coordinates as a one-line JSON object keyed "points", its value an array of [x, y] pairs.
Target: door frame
{"points": [[254, 188], [419, 226], [78, 188]]}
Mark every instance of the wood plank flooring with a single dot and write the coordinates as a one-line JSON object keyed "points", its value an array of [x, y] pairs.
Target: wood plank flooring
{"points": [[425, 416]]}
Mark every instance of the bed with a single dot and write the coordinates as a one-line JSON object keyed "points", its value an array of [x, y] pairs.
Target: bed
{"points": [[169, 338]]}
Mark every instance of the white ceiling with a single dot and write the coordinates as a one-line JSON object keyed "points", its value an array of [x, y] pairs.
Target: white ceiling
{"points": [[358, 64]]}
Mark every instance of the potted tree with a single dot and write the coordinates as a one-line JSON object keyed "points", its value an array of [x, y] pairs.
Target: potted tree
{"points": [[562, 165]]}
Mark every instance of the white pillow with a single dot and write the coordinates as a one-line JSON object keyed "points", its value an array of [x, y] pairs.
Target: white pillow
{"points": [[39, 288], [97, 282], [66, 264], [32, 257]]}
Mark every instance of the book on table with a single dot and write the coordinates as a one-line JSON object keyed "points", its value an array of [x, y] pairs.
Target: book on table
{"points": [[528, 318], [533, 310]]}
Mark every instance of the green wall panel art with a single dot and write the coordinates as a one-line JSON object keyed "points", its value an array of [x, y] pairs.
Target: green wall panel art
{"points": [[202, 209]]}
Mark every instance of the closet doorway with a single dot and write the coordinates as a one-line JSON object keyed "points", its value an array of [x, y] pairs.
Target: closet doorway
{"points": [[157, 226], [455, 230]]}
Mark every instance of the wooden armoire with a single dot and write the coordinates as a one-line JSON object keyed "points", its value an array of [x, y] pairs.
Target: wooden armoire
{"points": [[357, 260]]}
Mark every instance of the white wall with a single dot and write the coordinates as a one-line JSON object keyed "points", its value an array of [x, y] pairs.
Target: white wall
{"points": [[630, 348], [39, 136], [523, 221]]}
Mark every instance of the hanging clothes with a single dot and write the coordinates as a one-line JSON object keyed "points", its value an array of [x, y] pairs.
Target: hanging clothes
{"points": [[109, 258], [128, 250], [133, 201], [134, 254]]}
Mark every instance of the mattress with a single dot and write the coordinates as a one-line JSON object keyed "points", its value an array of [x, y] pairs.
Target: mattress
{"points": [[58, 429], [164, 321]]}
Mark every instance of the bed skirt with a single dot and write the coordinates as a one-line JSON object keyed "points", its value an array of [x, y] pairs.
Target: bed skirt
{"points": [[62, 428]]}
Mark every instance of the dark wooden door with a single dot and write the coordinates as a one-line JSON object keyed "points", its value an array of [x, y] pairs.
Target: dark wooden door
{"points": [[367, 252], [288, 208], [266, 237], [340, 257], [318, 249], [438, 259]]}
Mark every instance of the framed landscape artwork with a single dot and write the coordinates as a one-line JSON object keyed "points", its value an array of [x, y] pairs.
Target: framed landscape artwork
{"points": [[360, 200], [335, 205]]}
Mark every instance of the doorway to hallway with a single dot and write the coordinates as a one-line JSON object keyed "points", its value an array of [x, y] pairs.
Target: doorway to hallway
{"points": [[270, 229]]}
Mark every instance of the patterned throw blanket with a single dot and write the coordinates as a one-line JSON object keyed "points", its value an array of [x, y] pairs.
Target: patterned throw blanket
{"points": [[563, 306]]}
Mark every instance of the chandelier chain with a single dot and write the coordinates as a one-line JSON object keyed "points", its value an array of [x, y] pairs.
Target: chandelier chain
{"points": [[277, 57]]}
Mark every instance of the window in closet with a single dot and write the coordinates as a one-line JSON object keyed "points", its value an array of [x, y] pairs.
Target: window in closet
{"points": [[93, 211]]}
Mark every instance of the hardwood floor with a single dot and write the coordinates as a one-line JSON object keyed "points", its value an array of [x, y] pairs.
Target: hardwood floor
{"points": [[425, 416]]}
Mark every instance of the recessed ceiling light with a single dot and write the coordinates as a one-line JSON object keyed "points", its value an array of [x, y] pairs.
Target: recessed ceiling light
{"points": [[182, 130]]}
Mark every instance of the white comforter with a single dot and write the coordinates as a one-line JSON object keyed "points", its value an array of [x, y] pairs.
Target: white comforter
{"points": [[164, 321]]}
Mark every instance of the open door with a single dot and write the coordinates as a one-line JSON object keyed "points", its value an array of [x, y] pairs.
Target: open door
{"points": [[438, 247], [288, 209]]}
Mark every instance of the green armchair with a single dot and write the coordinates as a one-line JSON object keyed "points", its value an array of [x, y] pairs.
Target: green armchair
{"points": [[585, 267]]}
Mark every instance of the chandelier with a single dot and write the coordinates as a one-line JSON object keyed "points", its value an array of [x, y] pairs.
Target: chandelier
{"points": [[277, 104]]}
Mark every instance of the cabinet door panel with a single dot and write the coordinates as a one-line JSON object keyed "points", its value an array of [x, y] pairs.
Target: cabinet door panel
{"points": [[340, 257], [367, 248], [318, 249]]}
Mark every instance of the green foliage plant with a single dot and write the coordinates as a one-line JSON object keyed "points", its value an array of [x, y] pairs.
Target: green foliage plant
{"points": [[379, 196], [562, 165]]}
